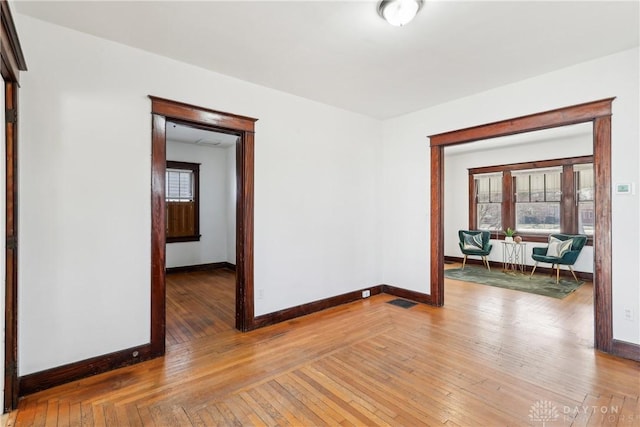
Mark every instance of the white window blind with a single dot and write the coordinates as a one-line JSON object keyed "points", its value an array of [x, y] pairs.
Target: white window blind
{"points": [[584, 182], [488, 187], [179, 185], [538, 185]]}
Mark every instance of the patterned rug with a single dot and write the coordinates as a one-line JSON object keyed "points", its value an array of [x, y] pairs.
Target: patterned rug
{"points": [[540, 284]]}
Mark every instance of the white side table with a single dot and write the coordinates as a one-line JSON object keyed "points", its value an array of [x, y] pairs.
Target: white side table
{"points": [[513, 256]]}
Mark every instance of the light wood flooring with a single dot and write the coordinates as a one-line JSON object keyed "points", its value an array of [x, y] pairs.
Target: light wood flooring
{"points": [[490, 357]]}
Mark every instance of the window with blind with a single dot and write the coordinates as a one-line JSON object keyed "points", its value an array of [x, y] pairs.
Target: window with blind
{"points": [[538, 194], [534, 198], [585, 191], [488, 201], [182, 204]]}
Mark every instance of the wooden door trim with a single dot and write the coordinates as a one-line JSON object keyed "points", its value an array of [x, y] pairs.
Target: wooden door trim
{"points": [[597, 112], [11, 63], [163, 110], [10, 50]]}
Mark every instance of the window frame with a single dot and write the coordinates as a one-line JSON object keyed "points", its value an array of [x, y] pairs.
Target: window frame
{"points": [[194, 168], [568, 206]]}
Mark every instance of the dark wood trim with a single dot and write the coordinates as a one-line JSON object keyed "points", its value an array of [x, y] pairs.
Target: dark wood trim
{"points": [[626, 349], [602, 248], [158, 235], [473, 203], [568, 208], [174, 164], [598, 112], [323, 304], [74, 371], [201, 267], [244, 232], [406, 293], [508, 208], [182, 239], [580, 113], [312, 307], [437, 227], [11, 54], [578, 160], [11, 63], [11, 383], [195, 169], [220, 121], [204, 116]]}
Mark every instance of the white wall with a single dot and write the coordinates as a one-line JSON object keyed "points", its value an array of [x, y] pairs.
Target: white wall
{"points": [[231, 192], [541, 145], [214, 200], [84, 285], [404, 198], [341, 200]]}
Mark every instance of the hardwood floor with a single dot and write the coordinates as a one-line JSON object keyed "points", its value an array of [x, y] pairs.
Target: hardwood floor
{"points": [[489, 357], [199, 304]]}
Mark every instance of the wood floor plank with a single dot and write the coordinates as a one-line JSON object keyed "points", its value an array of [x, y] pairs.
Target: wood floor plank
{"points": [[63, 418], [318, 414], [486, 358], [75, 414], [315, 401]]}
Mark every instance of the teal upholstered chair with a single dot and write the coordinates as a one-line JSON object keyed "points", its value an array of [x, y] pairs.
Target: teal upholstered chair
{"points": [[563, 249], [475, 242]]}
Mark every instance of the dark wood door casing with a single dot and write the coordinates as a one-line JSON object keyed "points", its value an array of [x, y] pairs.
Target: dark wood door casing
{"points": [[163, 110], [597, 112], [11, 63]]}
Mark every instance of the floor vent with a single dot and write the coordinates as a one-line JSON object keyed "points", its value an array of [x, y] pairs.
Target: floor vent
{"points": [[402, 303]]}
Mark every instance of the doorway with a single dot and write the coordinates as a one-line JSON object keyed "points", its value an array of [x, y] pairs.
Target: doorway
{"points": [[201, 232], [164, 110], [598, 113]]}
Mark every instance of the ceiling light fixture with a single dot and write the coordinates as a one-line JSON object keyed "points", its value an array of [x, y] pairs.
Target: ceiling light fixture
{"points": [[399, 12]]}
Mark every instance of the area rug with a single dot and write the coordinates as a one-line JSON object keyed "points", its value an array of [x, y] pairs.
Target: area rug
{"points": [[540, 284]]}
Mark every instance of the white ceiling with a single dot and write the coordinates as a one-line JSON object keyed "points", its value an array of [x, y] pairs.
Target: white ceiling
{"points": [[177, 132], [343, 54]]}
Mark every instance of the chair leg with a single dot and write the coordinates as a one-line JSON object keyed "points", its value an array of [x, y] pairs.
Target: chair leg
{"points": [[534, 269], [557, 273], [464, 261], [486, 262], [574, 273]]}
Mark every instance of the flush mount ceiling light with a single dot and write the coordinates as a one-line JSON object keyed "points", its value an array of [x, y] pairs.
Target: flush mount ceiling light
{"points": [[399, 12]]}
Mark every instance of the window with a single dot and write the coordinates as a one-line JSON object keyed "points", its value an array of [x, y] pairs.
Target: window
{"points": [[536, 198], [489, 201], [182, 205], [584, 198]]}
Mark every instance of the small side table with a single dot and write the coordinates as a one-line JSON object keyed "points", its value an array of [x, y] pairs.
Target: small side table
{"points": [[513, 256]]}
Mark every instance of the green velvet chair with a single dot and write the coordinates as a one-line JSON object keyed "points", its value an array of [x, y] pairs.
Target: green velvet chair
{"points": [[563, 249], [476, 243]]}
